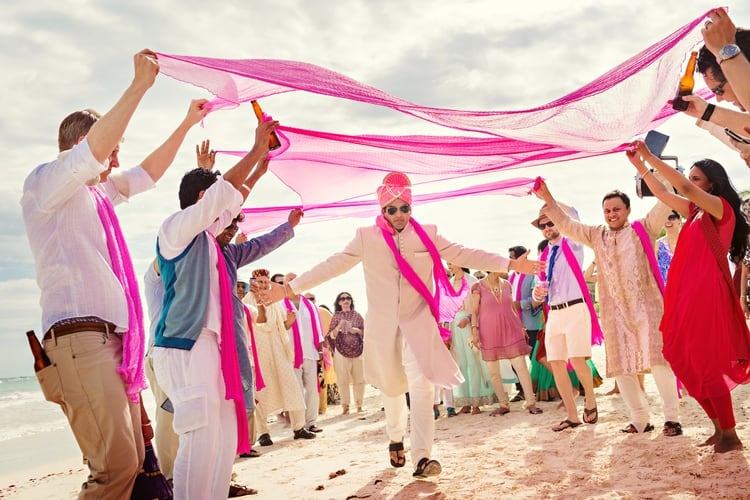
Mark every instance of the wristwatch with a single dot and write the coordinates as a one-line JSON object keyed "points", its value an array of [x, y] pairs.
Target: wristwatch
{"points": [[727, 52]]}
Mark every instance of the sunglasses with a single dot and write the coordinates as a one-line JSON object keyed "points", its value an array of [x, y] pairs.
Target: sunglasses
{"points": [[549, 223], [673, 217], [344, 298], [719, 89], [231, 228], [392, 210]]}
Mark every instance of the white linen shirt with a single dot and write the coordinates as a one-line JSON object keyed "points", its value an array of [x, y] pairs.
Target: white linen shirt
{"points": [[73, 268], [306, 333]]}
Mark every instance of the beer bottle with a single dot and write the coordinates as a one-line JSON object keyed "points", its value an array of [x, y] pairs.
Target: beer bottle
{"points": [[686, 84], [40, 357], [273, 138]]}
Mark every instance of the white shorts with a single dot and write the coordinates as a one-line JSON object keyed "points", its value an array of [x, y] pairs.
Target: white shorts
{"points": [[568, 333]]}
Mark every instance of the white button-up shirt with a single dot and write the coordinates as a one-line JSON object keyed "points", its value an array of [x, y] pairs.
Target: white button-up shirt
{"points": [[73, 268]]}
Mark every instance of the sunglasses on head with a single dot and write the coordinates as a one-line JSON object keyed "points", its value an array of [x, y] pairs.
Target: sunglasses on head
{"points": [[719, 89], [549, 223], [392, 210]]}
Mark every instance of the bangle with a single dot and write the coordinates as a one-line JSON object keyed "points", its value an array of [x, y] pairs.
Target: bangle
{"points": [[708, 112]]}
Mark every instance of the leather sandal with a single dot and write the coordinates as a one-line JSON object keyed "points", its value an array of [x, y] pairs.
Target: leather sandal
{"points": [[587, 415], [566, 424], [535, 410], [400, 457], [672, 429], [426, 468], [500, 410], [630, 429], [237, 490]]}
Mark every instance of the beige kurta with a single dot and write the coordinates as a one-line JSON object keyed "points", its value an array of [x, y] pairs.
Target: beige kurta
{"points": [[276, 358], [630, 303], [394, 308]]}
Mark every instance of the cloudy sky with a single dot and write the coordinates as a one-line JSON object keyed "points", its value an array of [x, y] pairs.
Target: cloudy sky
{"points": [[485, 55]]}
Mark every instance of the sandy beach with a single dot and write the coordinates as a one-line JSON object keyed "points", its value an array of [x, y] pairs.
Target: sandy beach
{"points": [[512, 456]]}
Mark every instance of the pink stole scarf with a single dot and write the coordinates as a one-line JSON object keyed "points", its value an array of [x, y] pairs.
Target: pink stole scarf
{"points": [[596, 331], [230, 365], [648, 249], [259, 382], [443, 285], [314, 319], [131, 369], [517, 292]]}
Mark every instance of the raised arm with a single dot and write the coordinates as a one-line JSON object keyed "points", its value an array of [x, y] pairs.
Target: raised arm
{"points": [[238, 174], [106, 133], [718, 32], [558, 213], [157, 162], [638, 155]]}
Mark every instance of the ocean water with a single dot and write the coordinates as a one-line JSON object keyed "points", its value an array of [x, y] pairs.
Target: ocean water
{"points": [[24, 411]]}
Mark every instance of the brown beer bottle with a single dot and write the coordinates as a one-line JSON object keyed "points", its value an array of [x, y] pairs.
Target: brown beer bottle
{"points": [[40, 357], [273, 139], [687, 82]]}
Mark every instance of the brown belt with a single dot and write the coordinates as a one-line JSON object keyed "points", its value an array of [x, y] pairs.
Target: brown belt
{"points": [[88, 326]]}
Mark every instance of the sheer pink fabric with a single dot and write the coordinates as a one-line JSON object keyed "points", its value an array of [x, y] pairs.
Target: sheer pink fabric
{"points": [[599, 116]]}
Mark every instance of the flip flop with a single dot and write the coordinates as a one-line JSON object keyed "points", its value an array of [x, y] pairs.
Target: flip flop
{"points": [[630, 429], [565, 424], [237, 490], [500, 410], [400, 458], [587, 413], [426, 468], [535, 410]]}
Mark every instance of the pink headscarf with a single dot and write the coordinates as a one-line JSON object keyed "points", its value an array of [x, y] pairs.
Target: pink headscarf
{"points": [[395, 185]]}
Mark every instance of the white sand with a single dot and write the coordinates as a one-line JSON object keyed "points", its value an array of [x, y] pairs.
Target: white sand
{"points": [[513, 456]]}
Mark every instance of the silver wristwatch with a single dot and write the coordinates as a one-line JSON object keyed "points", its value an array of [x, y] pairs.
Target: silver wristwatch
{"points": [[727, 52]]}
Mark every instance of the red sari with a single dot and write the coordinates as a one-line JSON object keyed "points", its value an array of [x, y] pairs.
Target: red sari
{"points": [[706, 339]]}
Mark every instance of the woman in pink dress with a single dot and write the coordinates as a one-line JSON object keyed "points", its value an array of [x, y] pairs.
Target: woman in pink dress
{"points": [[497, 330], [706, 339]]}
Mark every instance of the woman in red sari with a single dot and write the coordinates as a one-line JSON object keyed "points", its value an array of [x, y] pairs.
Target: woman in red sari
{"points": [[706, 339]]}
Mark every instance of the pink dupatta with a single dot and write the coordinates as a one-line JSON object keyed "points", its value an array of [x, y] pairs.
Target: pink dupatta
{"points": [[648, 249], [295, 329], [131, 368], [230, 366], [259, 382]]}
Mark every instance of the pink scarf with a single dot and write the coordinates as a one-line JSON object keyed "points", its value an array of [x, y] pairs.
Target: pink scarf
{"points": [[596, 331], [443, 285], [648, 249], [131, 369], [259, 382], [314, 319], [230, 365]]}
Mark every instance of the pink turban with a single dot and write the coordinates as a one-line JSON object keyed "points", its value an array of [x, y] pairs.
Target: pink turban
{"points": [[395, 185]]}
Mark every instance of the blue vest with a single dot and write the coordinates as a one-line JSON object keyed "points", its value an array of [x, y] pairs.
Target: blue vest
{"points": [[186, 281]]}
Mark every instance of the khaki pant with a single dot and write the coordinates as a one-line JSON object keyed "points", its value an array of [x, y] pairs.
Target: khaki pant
{"points": [[350, 371], [83, 380]]}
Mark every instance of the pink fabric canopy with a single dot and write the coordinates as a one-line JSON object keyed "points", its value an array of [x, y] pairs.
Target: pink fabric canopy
{"points": [[599, 118]]}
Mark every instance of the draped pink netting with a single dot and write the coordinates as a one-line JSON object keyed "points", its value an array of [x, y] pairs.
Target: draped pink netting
{"points": [[597, 117], [260, 219], [329, 170]]}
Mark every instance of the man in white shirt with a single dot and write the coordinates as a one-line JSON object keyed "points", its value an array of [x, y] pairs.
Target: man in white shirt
{"points": [[89, 295], [195, 336]]}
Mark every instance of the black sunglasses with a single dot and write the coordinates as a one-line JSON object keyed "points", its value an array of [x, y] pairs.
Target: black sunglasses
{"points": [[344, 298], [673, 217], [549, 223], [392, 210], [719, 89]]}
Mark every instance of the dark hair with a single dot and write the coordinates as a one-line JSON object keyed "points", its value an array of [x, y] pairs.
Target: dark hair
{"points": [[277, 275], [193, 182], [325, 307], [542, 245], [75, 125], [337, 306], [517, 250], [707, 60], [617, 194], [723, 187]]}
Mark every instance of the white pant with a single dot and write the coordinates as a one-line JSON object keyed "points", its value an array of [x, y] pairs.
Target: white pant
{"points": [[203, 419], [307, 376], [421, 393], [445, 394], [522, 371], [635, 399], [350, 371]]}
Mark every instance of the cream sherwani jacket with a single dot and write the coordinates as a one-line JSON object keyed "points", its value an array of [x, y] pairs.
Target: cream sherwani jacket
{"points": [[395, 310]]}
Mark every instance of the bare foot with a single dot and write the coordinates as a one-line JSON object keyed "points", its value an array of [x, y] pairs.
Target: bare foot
{"points": [[476, 411], [465, 409], [727, 443], [615, 390], [715, 438]]}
